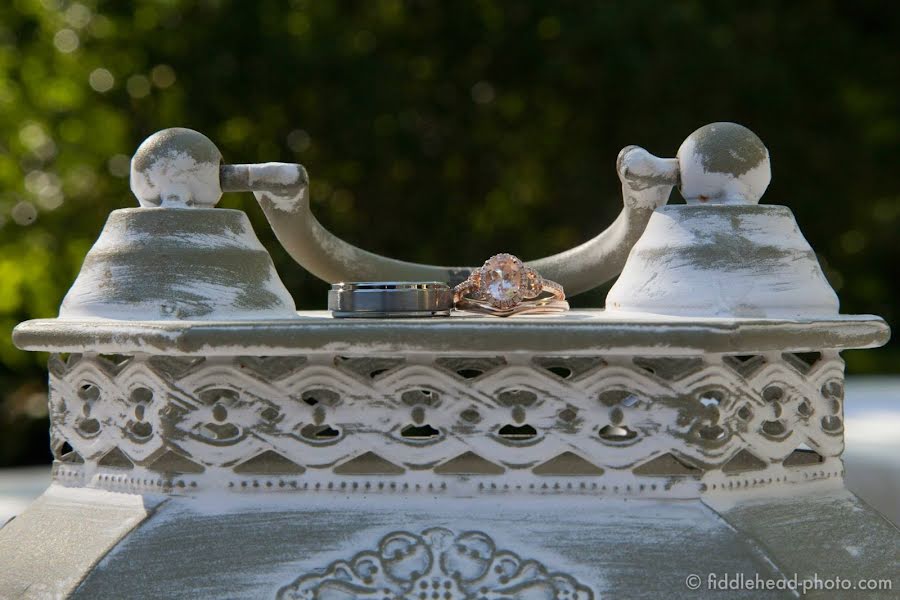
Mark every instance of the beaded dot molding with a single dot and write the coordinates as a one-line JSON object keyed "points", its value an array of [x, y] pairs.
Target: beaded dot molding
{"points": [[447, 424]]}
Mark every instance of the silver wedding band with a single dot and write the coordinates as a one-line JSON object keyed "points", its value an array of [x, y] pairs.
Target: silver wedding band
{"points": [[390, 299]]}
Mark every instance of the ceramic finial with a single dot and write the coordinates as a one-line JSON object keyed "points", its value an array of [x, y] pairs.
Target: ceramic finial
{"points": [[723, 163], [176, 168]]}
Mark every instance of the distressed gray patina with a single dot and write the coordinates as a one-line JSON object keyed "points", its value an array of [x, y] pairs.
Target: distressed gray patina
{"points": [[211, 442], [577, 332], [178, 264]]}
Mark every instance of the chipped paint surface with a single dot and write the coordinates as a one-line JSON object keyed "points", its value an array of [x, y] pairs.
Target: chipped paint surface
{"points": [[284, 542], [176, 168], [823, 530], [577, 332], [178, 264], [292, 178], [187, 548], [647, 180], [285, 174], [723, 163], [663, 426], [737, 261], [549, 456]]}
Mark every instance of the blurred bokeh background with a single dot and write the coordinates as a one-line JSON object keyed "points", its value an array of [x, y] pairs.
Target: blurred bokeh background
{"points": [[438, 131]]}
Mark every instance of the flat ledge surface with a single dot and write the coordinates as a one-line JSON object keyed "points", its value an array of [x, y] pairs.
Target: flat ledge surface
{"points": [[574, 332]]}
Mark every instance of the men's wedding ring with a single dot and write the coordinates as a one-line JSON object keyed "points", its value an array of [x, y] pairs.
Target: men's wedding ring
{"points": [[390, 299]]}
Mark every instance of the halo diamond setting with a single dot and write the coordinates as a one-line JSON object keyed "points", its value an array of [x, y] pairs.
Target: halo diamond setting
{"points": [[504, 286]]}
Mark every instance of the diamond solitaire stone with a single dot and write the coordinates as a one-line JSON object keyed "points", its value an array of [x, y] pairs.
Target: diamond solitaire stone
{"points": [[502, 279]]}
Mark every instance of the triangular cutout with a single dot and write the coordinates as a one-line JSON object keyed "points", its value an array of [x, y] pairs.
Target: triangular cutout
{"points": [[113, 363], [117, 459], [802, 361], [66, 453], [744, 364], [368, 464], [72, 458], [667, 465], [743, 461], [169, 462], [272, 367], [669, 368], [174, 367], [269, 463], [567, 464], [803, 457], [469, 463]]}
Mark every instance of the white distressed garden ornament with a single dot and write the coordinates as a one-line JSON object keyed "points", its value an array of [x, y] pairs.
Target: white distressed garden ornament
{"points": [[211, 442]]}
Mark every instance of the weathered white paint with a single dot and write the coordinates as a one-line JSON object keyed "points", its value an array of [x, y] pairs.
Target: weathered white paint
{"points": [[291, 176], [723, 261], [699, 185], [178, 264], [178, 181], [604, 547], [723, 163], [647, 180], [575, 333], [176, 168], [275, 173], [289, 542], [662, 436], [220, 415]]}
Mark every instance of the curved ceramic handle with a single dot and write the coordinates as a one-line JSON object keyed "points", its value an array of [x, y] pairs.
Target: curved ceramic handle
{"points": [[181, 168], [281, 190]]}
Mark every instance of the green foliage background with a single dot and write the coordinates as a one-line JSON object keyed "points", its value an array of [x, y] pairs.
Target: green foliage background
{"points": [[437, 131]]}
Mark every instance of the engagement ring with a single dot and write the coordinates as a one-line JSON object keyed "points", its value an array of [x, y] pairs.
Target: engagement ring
{"points": [[505, 286]]}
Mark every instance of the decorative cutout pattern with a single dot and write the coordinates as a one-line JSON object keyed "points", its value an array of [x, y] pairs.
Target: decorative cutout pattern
{"points": [[436, 565], [389, 417]]}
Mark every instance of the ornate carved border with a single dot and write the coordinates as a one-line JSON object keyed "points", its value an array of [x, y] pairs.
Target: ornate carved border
{"points": [[420, 421]]}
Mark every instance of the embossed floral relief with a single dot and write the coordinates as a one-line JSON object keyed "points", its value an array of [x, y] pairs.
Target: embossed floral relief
{"points": [[438, 564]]}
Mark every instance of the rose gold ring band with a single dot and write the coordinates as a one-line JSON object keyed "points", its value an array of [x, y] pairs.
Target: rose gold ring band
{"points": [[555, 291], [547, 304], [505, 286]]}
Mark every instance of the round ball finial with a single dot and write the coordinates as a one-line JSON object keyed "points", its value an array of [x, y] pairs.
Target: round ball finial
{"points": [[176, 167], [723, 163]]}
